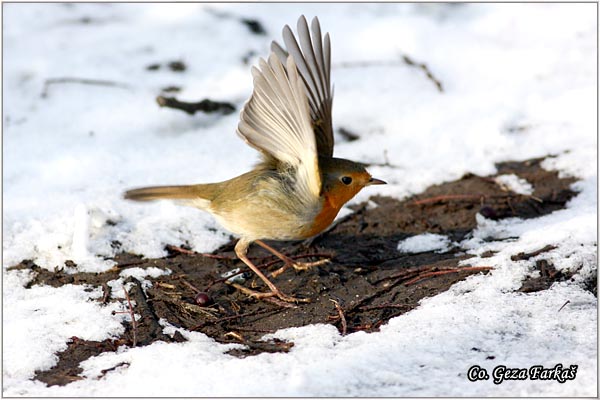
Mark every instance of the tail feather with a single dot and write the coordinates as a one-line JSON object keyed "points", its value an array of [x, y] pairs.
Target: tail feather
{"points": [[167, 192]]}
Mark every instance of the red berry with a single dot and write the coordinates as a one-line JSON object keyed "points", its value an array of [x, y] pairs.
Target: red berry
{"points": [[203, 300]]}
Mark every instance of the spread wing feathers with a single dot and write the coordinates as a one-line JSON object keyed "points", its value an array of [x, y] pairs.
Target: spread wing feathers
{"points": [[313, 59], [276, 120]]}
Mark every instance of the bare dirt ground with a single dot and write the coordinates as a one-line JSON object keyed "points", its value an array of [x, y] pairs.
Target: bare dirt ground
{"points": [[367, 281]]}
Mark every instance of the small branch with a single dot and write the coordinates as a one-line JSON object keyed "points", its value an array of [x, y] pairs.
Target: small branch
{"points": [[105, 293], [526, 256], [186, 283], [385, 305], [563, 306], [371, 63], [83, 81], [444, 272], [177, 249], [133, 321], [129, 264], [107, 370], [446, 197], [206, 105], [348, 135], [341, 316], [425, 69]]}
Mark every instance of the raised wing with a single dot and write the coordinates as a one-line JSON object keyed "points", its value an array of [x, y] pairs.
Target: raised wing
{"points": [[313, 60], [276, 120]]}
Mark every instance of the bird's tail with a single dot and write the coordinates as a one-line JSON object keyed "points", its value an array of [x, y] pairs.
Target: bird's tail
{"points": [[189, 192]]}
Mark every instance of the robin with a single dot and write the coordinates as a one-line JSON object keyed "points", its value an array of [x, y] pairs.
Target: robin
{"points": [[298, 187]]}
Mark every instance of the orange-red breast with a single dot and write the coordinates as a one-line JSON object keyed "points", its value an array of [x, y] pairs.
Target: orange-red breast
{"points": [[298, 188]]}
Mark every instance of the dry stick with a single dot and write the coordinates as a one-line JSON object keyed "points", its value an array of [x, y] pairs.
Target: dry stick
{"points": [[428, 73], [444, 272], [372, 63], [389, 63], [106, 293], [527, 256], [206, 105], [133, 321], [410, 273], [385, 305], [121, 364], [563, 306], [186, 283], [129, 264], [444, 197], [476, 197], [84, 81], [237, 328], [342, 317], [178, 249]]}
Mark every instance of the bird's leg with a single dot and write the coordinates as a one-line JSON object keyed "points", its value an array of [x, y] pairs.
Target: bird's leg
{"points": [[241, 249], [297, 265]]}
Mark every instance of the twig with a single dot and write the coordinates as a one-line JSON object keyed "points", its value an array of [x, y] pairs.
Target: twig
{"points": [[385, 163], [177, 249], [129, 264], [444, 272], [563, 306], [473, 197], [349, 136], [121, 364], [206, 105], [106, 293], [133, 321], [83, 81], [445, 197], [341, 315], [370, 63], [385, 305], [425, 69], [237, 328], [526, 256], [392, 63], [186, 283]]}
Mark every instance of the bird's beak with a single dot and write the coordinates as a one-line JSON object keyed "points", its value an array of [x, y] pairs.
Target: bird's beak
{"points": [[375, 181]]}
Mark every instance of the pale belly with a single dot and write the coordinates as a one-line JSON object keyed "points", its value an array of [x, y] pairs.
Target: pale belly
{"points": [[255, 221]]}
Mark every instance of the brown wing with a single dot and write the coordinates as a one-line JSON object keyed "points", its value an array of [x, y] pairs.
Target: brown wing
{"points": [[313, 60], [276, 121]]}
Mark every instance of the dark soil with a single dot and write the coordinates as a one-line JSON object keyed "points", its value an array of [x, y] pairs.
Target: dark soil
{"points": [[367, 282]]}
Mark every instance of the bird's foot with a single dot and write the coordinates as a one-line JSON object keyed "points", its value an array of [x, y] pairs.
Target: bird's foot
{"points": [[269, 296], [298, 266]]}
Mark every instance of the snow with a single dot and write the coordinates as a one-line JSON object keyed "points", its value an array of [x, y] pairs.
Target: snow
{"points": [[424, 242], [511, 182], [519, 82]]}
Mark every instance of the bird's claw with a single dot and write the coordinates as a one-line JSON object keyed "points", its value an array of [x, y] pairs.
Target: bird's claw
{"points": [[270, 296], [299, 266]]}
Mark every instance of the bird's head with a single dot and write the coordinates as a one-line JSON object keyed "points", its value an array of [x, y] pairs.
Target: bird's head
{"points": [[343, 179]]}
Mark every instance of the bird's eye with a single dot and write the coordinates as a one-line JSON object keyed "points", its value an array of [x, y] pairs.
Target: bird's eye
{"points": [[346, 180]]}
